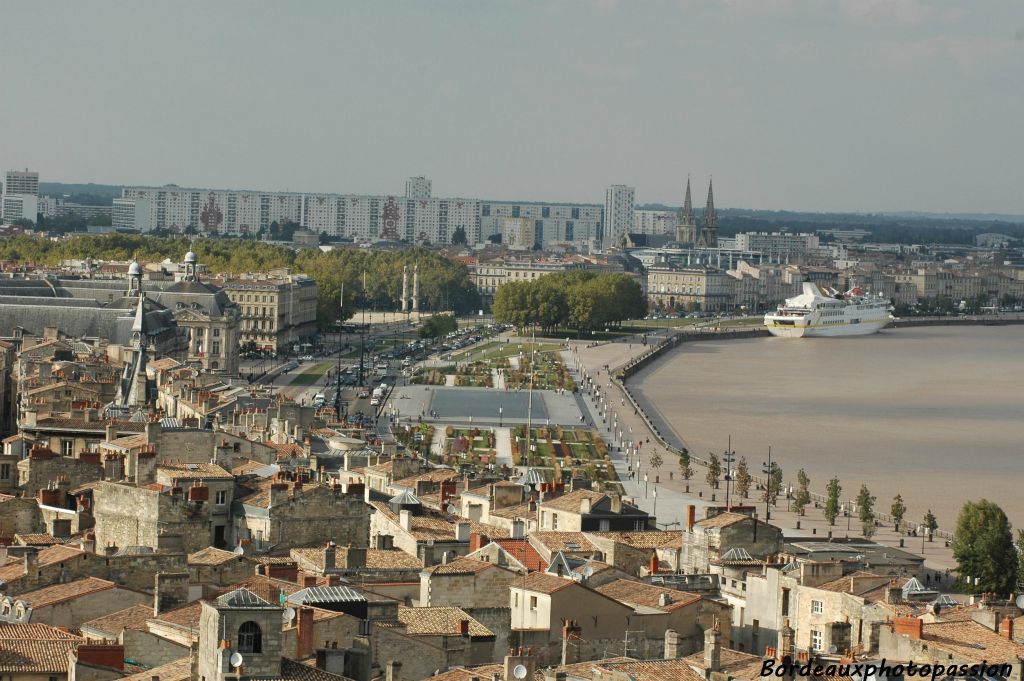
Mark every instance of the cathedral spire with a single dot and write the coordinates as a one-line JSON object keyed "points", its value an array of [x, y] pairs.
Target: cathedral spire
{"points": [[686, 228], [688, 204], [709, 227], [710, 216]]}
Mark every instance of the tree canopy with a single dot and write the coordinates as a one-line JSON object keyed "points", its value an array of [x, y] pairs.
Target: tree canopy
{"points": [[984, 550], [445, 284], [579, 299]]}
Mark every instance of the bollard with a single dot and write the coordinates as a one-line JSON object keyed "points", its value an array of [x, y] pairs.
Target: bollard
{"points": [[700, 494], [814, 530], [798, 524], [901, 542]]}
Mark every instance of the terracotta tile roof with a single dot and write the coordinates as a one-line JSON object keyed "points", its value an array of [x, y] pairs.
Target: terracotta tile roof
{"points": [[129, 441], [376, 559], [722, 520], [971, 640], [35, 649], [111, 625], [36, 539], [859, 583], [48, 556], [189, 471], [437, 526], [640, 540], [571, 500], [187, 616], [461, 566], [58, 593], [484, 671], [544, 583], [656, 670], [211, 556], [287, 450], [736, 663], [433, 475], [521, 550], [517, 511], [438, 621], [568, 542], [179, 670], [648, 595]]}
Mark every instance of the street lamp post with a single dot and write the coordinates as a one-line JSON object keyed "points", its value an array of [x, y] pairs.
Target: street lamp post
{"points": [[500, 410], [728, 457], [767, 468], [645, 485], [654, 511]]}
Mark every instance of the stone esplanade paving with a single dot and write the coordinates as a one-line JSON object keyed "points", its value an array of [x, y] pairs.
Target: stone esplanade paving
{"points": [[672, 498]]}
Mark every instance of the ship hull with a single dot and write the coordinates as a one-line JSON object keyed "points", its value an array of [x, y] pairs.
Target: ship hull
{"points": [[800, 330]]}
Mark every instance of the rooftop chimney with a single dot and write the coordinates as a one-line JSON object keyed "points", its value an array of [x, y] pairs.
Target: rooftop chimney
{"points": [[713, 649], [911, 627], [304, 633]]}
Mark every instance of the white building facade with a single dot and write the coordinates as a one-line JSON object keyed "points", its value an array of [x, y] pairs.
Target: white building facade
{"points": [[552, 223], [654, 222], [619, 202]]}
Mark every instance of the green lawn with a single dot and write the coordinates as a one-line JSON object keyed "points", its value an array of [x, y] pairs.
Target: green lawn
{"points": [[311, 375]]}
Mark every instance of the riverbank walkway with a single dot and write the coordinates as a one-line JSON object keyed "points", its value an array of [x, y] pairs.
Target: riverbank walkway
{"points": [[664, 493]]}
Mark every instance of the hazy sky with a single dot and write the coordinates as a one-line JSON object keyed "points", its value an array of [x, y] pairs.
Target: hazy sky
{"points": [[795, 104]]}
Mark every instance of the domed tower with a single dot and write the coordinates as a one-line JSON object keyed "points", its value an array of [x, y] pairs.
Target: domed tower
{"points": [[134, 279], [191, 262]]}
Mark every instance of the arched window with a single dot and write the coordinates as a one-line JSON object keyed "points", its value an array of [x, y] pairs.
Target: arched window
{"points": [[250, 638]]}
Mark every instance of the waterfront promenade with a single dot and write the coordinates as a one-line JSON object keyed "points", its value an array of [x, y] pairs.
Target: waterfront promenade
{"points": [[613, 414]]}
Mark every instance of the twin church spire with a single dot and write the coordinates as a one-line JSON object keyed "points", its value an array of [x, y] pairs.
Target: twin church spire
{"points": [[688, 232]]}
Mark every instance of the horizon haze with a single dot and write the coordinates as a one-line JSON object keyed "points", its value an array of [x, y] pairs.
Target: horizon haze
{"points": [[837, 106]]}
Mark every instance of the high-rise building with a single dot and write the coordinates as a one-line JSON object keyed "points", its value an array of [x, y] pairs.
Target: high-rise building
{"points": [[361, 218], [619, 201], [22, 182], [552, 223], [418, 188], [518, 233], [654, 222], [20, 196]]}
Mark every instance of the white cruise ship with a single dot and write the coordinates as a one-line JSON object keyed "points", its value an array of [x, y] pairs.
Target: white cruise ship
{"points": [[819, 312]]}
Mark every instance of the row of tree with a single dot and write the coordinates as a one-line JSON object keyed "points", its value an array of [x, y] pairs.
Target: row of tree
{"points": [[578, 299], [988, 558], [371, 279]]}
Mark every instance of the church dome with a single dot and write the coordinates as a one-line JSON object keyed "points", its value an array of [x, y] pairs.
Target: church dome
{"points": [[190, 257], [134, 270]]}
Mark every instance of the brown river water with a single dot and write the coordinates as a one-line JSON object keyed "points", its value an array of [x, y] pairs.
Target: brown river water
{"points": [[933, 413]]}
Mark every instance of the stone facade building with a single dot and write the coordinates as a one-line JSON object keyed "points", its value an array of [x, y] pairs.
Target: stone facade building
{"points": [[278, 309]]}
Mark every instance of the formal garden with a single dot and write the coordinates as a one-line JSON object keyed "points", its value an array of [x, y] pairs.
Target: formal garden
{"points": [[567, 452], [469, 446]]}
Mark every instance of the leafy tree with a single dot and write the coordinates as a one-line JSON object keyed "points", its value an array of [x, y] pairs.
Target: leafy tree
{"points": [[774, 483], [656, 461], [714, 471], [803, 492], [1020, 557], [459, 235], [832, 492], [868, 527], [930, 523], [865, 504], [439, 325], [743, 478], [684, 465], [984, 550], [898, 510]]}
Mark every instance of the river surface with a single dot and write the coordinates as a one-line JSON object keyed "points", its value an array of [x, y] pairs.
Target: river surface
{"points": [[933, 413]]}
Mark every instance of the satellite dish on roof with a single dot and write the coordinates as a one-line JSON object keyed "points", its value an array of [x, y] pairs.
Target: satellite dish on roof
{"points": [[288, 615], [588, 572], [832, 648], [519, 671], [236, 660], [1020, 601], [239, 551], [451, 509]]}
